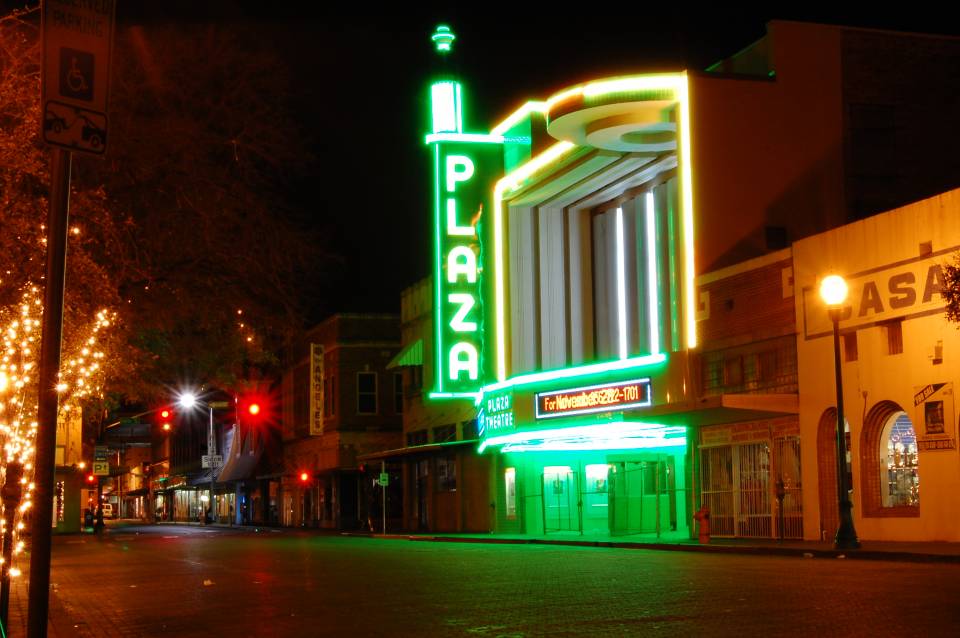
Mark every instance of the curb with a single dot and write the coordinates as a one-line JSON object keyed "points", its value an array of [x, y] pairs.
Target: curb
{"points": [[894, 556]]}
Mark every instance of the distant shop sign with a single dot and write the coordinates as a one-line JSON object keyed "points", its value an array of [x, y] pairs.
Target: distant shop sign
{"points": [[934, 417]]}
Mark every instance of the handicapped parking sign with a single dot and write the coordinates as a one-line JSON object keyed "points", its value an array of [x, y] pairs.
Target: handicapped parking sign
{"points": [[76, 74], [77, 51]]}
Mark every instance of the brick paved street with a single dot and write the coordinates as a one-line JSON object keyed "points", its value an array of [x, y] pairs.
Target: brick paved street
{"points": [[189, 581]]}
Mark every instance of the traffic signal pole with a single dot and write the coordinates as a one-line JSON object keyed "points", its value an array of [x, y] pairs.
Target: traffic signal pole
{"points": [[43, 479]]}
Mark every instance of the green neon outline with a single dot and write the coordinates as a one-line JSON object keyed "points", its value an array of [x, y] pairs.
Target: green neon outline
{"points": [[472, 138], [458, 105], [437, 283], [578, 371], [652, 280], [443, 114], [475, 396], [586, 445], [595, 431]]}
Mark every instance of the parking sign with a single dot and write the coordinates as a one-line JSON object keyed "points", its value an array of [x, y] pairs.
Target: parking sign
{"points": [[77, 51]]}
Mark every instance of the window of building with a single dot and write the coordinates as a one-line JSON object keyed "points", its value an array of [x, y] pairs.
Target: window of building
{"points": [[732, 371], [447, 473], [850, 352], [510, 487], [398, 392], [366, 393], [470, 430], [899, 467], [445, 433], [894, 331], [418, 437]]}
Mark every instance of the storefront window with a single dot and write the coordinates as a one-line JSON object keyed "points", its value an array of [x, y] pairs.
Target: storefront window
{"points": [[510, 485], [899, 467], [447, 473]]}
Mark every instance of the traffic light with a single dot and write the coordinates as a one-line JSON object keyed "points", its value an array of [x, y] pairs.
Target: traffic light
{"points": [[165, 416], [91, 479], [254, 408], [304, 477]]}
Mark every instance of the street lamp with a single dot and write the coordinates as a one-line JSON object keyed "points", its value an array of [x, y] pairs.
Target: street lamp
{"points": [[833, 291], [188, 400]]}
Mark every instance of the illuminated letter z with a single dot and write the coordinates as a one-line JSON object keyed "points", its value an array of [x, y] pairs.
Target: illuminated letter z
{"points": [[466, 302]]}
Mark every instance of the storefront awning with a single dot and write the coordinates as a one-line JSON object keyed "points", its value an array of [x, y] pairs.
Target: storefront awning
{"points": [[731, 408], [415, 449], [241, 458], [411, 355], [203, 478], [134, 493]]}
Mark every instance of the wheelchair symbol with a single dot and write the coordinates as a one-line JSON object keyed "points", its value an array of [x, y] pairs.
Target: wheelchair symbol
{"points": [[75, 79]]}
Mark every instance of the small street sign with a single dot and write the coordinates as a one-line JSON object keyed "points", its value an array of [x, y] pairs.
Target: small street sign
{"points": [[211, 460], [384, 479], [77, 47], [101, 468], [219, 405], [101, 453]]}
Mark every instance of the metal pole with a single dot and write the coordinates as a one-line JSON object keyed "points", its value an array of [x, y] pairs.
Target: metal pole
{"points": [[39, 593], [12, 491], [211, 450], [846, 534], [383, 470]]}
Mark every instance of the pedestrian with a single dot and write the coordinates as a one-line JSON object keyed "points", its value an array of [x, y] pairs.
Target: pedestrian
{"points": [[231, 516], [98, 528]]}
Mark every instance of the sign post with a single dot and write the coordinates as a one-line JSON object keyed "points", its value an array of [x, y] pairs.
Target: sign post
{"points": [[77, 47], [77, 40]]}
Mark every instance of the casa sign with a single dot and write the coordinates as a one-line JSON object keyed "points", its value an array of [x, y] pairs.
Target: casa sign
{"points": [[893, 291], [464, 174]]}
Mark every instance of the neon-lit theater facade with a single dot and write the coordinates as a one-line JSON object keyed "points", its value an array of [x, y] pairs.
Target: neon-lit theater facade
{"points": [[564, 301]]}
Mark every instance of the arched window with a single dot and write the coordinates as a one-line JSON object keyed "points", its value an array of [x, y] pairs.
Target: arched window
{"points": [[899, 468]]}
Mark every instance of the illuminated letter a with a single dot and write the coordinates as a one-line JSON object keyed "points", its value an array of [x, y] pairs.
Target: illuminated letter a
{"points": [[463, 358]]}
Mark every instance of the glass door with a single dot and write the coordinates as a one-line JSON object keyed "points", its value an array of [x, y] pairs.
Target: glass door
{"points": [[561, 502]]}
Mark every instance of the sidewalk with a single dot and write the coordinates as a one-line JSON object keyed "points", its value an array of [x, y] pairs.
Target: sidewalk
{"points": [[921, 552]]}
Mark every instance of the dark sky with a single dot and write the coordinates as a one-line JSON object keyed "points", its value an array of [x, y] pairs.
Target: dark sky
{"points": [[361, 81]]}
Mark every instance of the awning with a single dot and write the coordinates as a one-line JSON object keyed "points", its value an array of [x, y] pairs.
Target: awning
{"points": [[200, 479], [411, 355], [241, 458], [138, 492], [415, 449]]}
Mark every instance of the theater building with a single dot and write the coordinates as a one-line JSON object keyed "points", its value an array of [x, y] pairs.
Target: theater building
{"points": [[588, 250]]}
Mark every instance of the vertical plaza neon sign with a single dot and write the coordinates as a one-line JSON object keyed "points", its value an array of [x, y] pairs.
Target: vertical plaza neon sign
{"points": [[465, 166]]}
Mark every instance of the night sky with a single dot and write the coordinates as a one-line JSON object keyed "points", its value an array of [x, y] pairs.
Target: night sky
{"points": [[361, 99]]}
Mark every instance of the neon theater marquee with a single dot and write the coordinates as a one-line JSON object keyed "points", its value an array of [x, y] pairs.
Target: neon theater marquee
{"points": [[563, 308]]}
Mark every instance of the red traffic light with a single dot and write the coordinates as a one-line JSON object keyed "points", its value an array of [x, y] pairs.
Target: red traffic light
{"points": [[165, 416], [304, 477], [91, 478]]}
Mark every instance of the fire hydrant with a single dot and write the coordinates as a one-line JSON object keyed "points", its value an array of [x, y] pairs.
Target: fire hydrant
{"points": [[703, 517]]}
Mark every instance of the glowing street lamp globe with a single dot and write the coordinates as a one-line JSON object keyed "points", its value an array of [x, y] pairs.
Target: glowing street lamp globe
{"points": [[833, 290], [187, 400]]}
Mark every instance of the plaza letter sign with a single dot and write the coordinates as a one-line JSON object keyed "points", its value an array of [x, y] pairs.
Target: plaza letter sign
{"points": [[465, 169]]}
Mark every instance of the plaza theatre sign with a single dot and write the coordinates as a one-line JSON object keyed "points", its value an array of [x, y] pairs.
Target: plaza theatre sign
{"points": [[901, 290], [465, 169]]}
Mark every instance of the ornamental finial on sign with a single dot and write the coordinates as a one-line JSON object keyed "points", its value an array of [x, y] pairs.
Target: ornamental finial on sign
{"points": [[443, 38]]}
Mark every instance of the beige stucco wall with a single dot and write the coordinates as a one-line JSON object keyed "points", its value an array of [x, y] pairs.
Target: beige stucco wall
{"points": [[873, 250]]}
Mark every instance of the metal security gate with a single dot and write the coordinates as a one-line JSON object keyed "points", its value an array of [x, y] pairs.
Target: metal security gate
{"points": [[786, 460], [716, 479], [737, 487], [753, 480]]}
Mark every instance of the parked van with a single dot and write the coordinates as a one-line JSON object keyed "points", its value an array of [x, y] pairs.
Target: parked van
{"points": [[108, 510]]}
